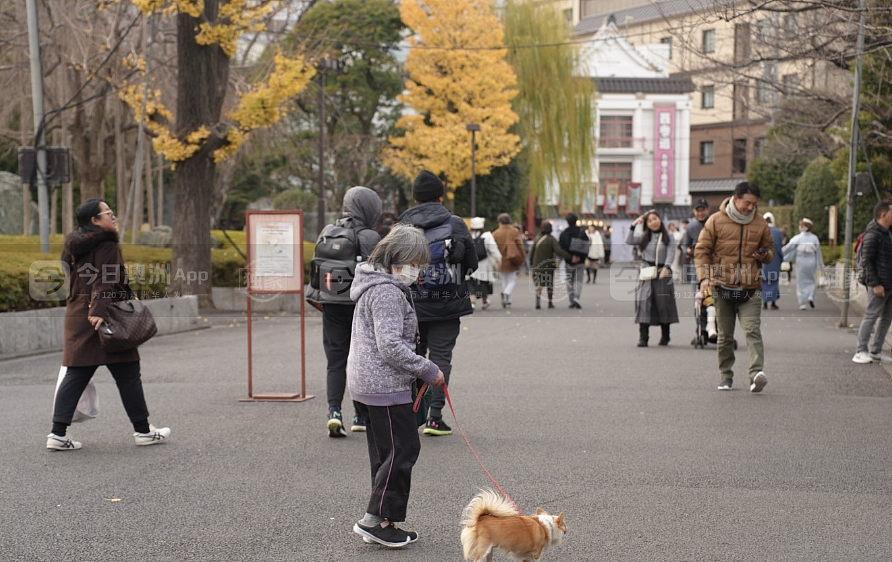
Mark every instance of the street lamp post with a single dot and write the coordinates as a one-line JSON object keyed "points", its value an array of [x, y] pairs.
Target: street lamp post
{"points": [[473, 127], [324, 64]]}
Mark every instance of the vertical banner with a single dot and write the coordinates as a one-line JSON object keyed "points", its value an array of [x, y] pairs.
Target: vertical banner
{"points": [[664, 155], [633, 199], [611, 198], [588, 199]]}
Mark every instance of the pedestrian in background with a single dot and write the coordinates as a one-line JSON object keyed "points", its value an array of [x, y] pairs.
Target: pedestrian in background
{"points": [[731, 250], [576, 264], [876, 257], [654, 296], [361, 212], [513, 250], [771, 272], [481, 279], [595, 254], [689, 240], [543, 259], [439, 312], [97, 278], [381, 368], [805, 250]]}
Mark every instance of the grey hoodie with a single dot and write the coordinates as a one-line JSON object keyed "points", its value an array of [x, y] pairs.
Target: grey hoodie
{"points": [[382, 363]]}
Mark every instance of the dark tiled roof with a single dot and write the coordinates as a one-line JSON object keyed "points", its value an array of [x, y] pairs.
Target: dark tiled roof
{"points": [[648, 11], [718, 185], [644, 85]]}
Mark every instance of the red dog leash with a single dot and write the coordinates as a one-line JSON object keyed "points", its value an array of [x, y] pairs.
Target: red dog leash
{"points": [[415, 408]]}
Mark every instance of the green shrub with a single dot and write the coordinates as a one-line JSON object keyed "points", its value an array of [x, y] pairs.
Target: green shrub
{"points": [[147, 267]]}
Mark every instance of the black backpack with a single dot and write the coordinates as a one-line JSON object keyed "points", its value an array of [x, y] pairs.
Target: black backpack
{"points": [[334, 261], [480, 247], [440, 276]]}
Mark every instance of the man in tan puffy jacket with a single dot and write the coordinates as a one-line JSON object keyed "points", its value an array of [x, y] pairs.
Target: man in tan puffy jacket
{"points": [[730, 252]]}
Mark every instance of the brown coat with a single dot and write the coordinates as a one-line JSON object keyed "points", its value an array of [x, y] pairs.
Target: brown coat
{"points": [[96, 279], [724, 250], [507, 235]]}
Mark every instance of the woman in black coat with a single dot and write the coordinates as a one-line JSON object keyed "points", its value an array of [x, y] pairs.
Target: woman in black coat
{"points": [[96, 278]]}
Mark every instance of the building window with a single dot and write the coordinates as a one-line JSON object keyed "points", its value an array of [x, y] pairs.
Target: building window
{"points": [[758, 147], [765, 93], [667, 41], [616, 131], [738, 157], [707, 153], [708, 97], [568, 15], [615, 171], [791, 84], [791, 26], [709, 41]]}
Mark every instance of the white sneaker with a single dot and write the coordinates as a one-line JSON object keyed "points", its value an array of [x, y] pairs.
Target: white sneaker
{"points": [[802, 307], [862, 357], [61, 443], [759, 382], [154, 436], [876, 357]]}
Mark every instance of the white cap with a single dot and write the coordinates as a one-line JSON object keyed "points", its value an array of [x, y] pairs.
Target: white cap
{"points": [[477, 223]]}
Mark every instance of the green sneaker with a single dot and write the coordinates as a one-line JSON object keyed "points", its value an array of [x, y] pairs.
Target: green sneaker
{"points": [[436, 427], [335, 424]]}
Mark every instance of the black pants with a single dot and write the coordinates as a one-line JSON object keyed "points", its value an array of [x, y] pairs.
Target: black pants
{"points": [[127, 377], [394, 446], [337, 324], [438, 338]]}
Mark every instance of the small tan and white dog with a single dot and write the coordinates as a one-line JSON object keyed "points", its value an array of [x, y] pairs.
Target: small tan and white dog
{"points": [[491, 522]]}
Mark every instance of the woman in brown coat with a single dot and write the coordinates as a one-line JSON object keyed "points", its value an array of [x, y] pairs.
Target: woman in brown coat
{"points": [[96, 278], [514, 254]]}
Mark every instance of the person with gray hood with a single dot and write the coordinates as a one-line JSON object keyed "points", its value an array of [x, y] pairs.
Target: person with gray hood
{"points": [[361, 211], [381, 369], [439, 312]]}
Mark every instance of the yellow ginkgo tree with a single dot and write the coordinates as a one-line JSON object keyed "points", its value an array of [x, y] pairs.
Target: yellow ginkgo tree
{"points": [[200, 134], [457, 75]]}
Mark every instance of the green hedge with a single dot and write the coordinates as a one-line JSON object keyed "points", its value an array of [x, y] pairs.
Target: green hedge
{"points": [[146, 266]]}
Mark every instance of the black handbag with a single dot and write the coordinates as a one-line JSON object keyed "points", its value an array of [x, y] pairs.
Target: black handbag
{"points": [[129, 324]]}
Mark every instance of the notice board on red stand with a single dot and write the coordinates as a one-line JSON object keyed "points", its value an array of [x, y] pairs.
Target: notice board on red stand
{"points": [[275, 267]]}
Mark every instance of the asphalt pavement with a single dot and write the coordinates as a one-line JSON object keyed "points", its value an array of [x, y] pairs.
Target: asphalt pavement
{"points": [[648, 461]]}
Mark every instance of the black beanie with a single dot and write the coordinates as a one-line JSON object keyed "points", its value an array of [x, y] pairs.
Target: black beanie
{"points": [[427, 187]]}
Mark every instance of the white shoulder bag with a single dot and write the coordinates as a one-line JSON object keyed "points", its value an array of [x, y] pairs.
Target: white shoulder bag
{"points": [[650, 272]]}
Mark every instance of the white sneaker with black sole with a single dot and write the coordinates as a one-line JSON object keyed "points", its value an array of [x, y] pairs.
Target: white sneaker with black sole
{"points": [[863, 358], [759, 382]]}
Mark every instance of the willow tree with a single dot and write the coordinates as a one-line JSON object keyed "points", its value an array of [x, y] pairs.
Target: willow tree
{"points": [[458, 75], [200, 136], [555, 104]]}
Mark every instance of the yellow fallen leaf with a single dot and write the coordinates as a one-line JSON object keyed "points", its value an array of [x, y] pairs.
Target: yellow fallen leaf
{"points": [[112, 499]]}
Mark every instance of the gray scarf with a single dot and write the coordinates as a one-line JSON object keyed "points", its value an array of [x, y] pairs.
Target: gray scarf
{"points": [[736, 215]]}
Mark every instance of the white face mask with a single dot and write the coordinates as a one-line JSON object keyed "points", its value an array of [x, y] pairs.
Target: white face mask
{"points": [[408, 275], [803, 229]]}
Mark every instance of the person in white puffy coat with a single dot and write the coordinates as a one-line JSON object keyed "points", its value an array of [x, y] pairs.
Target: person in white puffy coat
{"points": [[595, 254], [481, 279]]}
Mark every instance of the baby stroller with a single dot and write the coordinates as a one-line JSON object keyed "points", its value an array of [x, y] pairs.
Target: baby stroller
{"points": [[704, 316]]}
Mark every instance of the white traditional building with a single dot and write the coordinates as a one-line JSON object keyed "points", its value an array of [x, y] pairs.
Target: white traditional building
{"points": [[643, 125]]}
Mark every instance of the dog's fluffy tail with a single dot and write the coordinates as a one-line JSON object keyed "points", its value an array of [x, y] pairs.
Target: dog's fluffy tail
{"points": [[487, 502]]}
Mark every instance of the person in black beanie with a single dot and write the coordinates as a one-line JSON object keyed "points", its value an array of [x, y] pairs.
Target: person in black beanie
{"points": [[439, 310]]}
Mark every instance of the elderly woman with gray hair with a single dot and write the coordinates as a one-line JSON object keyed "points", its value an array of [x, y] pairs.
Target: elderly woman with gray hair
{"points": [[381, 369]]}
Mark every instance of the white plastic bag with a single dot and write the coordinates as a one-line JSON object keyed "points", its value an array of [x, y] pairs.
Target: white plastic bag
{"points": [[87, 406]]}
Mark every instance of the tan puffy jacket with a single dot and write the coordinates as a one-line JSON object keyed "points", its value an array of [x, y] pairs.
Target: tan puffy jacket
{"points": [[724, 251]]}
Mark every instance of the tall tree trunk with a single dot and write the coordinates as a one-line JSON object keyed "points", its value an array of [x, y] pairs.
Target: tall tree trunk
{"points": [[203, 72]]}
